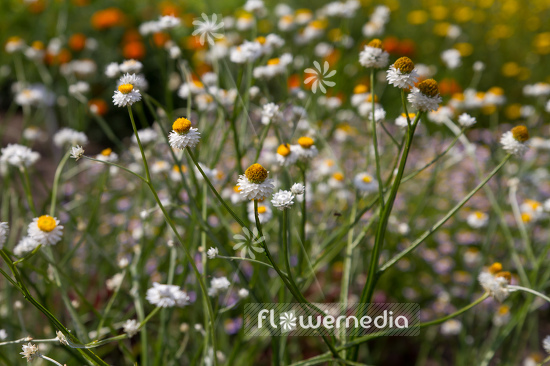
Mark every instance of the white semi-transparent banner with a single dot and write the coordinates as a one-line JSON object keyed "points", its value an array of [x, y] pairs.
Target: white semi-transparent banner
{"points": [[295, 319]]}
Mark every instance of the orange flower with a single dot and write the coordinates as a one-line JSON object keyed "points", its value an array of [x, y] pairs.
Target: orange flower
{"points": [[134, 50], [407, 47], [391, 45], [98, 106], [194, 43], [449, 87], [77, 42], [37, 6], [131, 35], [107, 18], [169, 8], [294, 81], [160, 38]]}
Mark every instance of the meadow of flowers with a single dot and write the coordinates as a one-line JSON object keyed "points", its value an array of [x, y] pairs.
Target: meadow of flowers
{"points": [[165, 163]]}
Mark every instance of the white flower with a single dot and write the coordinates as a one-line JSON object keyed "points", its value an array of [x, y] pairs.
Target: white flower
{"points": [[286, 155], [465, 120], [126, 95], [451, 58], [246, 52], [4, 231], [373, 55], [478, 66], [217, 285], [254, 184], [212, 253], [77, 152], [165, 296], [4, 334], [297, 189], [19, 155], [112, 70], [79, 88], [402, 121], [379, 114], [270, 113], [68, 136], [131, 327], [30, 352], [283, 199], [248, 243], [365, 182], [319, 77], [402, 74], [451, 327], [168, 22], [243, 293], [546, 344], [265, 213], [45, 230], [130, 66], [114, 282], [253, 6], [183, 135], [426, 97], [477, 219], [208, 29], [494, 284], [25, 245], [305, 150], [515, 141]]}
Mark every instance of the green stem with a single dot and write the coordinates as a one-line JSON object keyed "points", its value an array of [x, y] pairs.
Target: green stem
{"points": [[375, 143], [56, 180]]}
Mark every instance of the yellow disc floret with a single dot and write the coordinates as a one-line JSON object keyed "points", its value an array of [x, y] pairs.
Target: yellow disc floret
{"points": [[404, 64], [283, 149], [360, 89], [367, 179], [261, 209], [506, 275], [46, 223], [125, 88], [429, 87], [306, 142], [273, 61], [520, 133], [338, 176], [376, 43], [107, 151], [256, 173], [495, 268], [181, 125]]}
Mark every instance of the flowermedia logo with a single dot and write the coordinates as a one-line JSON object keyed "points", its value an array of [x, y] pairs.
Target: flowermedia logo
{"points": [[396, 319]]}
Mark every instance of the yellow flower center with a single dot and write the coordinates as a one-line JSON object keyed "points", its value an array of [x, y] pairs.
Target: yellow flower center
{"points": [[256, 173], [318, 24], [376, 43], [273, 61], [411, 115], [338, 176], [261, 209], [429, 87], [37, 45], [305, 142], [496, 90], [479, 214], [125, 88], [236, 189], [360, 89], [404, 64], [503, 310], [260, 40], [495, 268], [329, 162], [506, 275], [198, 84], [181, 125], [367, 179], [46, 223], [369, 98], [520, 133], [178, 169], [283, 149], [107, 151], [526, 217]]}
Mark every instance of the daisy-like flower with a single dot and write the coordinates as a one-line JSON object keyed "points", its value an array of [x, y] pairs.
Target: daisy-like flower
{"points": [[168, 22], [126, 94], [305, 149], [515, 141], [212, 253], [131, 327], [45, 230], [426, 96], [217, 285], [365, 182], [254, 184], [451, 327], [495, 281], [4, 231], [265, 213], [166, 296], [130, 66], [402, 74], [465, 120], [286, 155], [283, 199], [546, 344], [297, 189], [243, 293], [19, 156], [208, 29], [30, 352], [270, 113], [107, 155], [477, 219], [402, 121], [112, 70], [374, 55], [68, 136], [183, 135], [451, 58]]}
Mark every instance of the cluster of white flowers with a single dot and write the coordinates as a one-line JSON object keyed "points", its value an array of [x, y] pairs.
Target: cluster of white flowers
{"points": [[131, 327], [131, 66], [68, 136], [166, 22], [217, 285], [274, 67], [270, 113], [377, 22], [495, 281], [19, 156], [166, 296]]}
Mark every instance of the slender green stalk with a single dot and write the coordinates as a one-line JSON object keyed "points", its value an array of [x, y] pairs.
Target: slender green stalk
{"points": [[56, 180], [375, 144], [513, 288]]}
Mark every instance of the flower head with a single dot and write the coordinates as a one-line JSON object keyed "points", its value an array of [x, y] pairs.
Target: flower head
{"points": [[425, 97], [495, 281], [77, 152], [298, 189], [19, 156], [45, 230], [374, 55], [254, 184], [166, 296], [183, 135], [126, 93], [30, 352], [131, 327], [217, 285], [283, 199], [306, 149], [365, 182], [465, 120], [208, 29], [212, 253], [515, 141], [402, 74]]}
